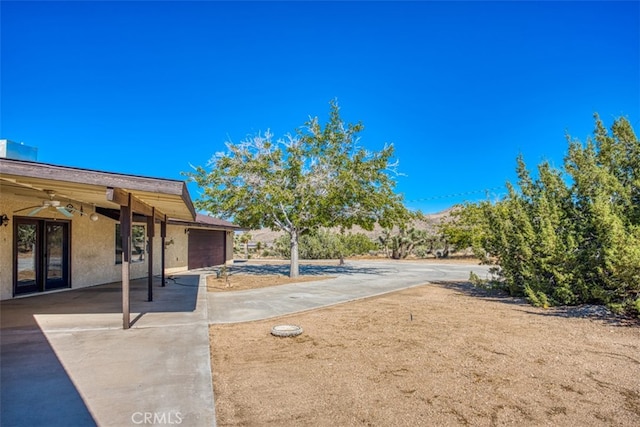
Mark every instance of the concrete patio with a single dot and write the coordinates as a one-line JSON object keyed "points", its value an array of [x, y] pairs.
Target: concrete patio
{"points": [[65, 359]]}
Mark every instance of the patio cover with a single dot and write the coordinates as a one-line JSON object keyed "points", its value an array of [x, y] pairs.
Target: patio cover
{"points": [[89, 187], [155, 198]]}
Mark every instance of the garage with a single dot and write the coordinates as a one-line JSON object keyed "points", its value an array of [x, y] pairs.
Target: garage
{"points": [[206, 248]]}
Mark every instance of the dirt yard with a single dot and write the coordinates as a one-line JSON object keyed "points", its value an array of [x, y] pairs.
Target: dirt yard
{"points": [[441, 354], [241, 282]]}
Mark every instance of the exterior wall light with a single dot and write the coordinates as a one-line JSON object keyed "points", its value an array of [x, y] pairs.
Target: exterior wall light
{"points": [[4, 220]]}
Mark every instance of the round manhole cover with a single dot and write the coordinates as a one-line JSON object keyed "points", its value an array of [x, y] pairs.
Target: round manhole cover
{"points": [[286, 330]]}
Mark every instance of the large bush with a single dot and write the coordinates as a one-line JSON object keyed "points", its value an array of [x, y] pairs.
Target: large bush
{"points": [[324, 244], [571, 235]]}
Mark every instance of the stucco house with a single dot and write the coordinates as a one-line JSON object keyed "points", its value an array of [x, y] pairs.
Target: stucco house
{"points": [[63, 228]]}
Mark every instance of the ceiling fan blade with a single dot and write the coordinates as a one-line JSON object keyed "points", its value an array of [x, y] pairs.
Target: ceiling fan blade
{"points": [[36, 210], [64, 211], [28, 207]]}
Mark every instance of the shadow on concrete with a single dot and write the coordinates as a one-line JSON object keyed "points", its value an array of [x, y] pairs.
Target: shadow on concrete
{"points": [[584, 311], [179, 295], [35, 388], [307, 269]]}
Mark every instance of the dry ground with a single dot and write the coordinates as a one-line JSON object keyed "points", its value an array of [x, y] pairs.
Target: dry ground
{"points": [[241, 282], [441, 354]]}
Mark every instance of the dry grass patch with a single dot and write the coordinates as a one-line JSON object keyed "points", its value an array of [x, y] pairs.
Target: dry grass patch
{"points": [[241, 282], [433, 355]]}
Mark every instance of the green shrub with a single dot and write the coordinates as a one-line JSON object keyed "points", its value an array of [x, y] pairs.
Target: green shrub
{"points": [[567, 235], [537, 299], [421, 251], [325, 244], [564, 296], [616, 308], [357, 244], [475, 279]]}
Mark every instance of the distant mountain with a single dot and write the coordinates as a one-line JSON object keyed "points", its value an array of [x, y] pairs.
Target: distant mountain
{"points": [[267, 236]]}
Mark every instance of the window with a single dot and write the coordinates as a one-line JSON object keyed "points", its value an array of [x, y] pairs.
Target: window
{"points": [[138, 243]]}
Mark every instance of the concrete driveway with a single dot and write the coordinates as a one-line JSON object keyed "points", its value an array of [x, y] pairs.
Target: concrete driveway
{"points": [[354, 280]]}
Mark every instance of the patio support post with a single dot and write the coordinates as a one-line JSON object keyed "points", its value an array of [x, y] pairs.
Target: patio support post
{"points": [[163, 235], [126, 218], [151, 222]]}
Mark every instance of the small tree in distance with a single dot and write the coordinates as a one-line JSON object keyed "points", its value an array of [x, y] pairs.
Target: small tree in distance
{"points": [[320, 177], [245, 238]]}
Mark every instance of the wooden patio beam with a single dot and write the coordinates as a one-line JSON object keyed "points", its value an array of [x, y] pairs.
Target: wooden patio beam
{"points": [[125, 233], [150, 234], [121, 197], [163, 236]]}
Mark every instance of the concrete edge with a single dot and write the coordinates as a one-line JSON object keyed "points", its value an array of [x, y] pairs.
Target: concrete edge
{"points": [[328, 305], [202, 290]]}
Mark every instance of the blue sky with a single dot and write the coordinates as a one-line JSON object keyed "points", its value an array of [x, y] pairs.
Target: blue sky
{"points": [[460, 88]]}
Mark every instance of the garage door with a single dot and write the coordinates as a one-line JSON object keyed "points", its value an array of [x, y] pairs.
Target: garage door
{"points": [[206, 248]]}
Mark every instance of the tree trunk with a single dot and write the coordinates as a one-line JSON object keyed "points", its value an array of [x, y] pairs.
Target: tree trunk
{"points": [[294, 269], [409, 249], [445, 253]]}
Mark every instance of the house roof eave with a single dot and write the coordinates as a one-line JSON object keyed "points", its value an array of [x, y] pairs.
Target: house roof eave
{"points": [[90, 187]]}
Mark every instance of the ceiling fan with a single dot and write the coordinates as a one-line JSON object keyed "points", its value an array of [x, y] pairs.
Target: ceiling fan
{"points": [[57, 206]]}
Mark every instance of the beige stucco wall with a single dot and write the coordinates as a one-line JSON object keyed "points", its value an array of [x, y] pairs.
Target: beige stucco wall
{"points": [[92, 248], [176, 258], [6, 249], [176, 252]]}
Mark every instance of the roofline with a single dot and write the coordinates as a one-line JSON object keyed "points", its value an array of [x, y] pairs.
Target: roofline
{"points": [[233, 227], [100, 178], [52, 165]]}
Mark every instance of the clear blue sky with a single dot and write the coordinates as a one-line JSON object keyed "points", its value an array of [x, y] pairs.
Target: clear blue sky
{"points": [[460, 88]]}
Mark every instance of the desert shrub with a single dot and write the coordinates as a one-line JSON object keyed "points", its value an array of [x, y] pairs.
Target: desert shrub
{"points": [[616, 308], [320, 244], [475, 279], [629, 306], [562, 295], [489, 284], [571, 235], [421, 251], [401, 244], [281, 246], [536, 298], [325, 244], [357, 244]]}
